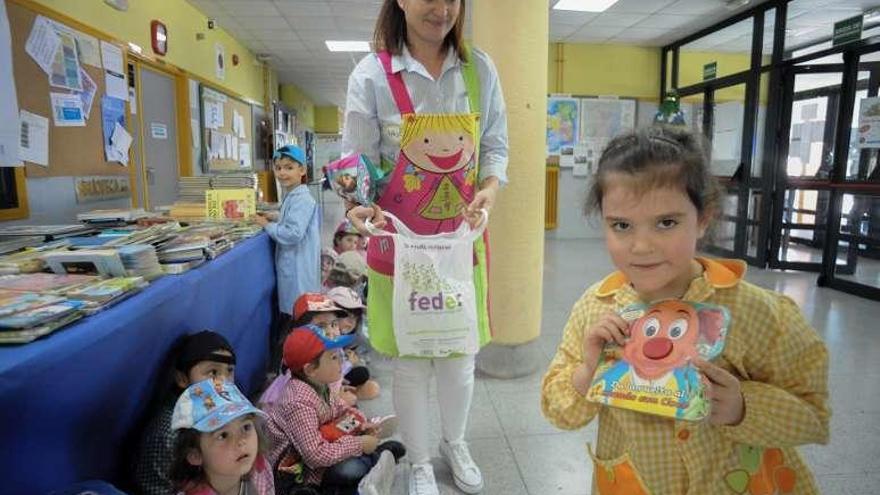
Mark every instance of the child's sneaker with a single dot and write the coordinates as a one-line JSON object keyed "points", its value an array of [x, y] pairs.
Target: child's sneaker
{"points": [[421, 480], [465, 472]]}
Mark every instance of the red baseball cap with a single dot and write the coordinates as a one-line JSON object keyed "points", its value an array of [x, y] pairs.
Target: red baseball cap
{"points": [[308, 342], [313, 302]]}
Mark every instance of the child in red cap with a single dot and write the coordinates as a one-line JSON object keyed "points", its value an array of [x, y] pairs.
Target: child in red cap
{"points": [[307, 403]]}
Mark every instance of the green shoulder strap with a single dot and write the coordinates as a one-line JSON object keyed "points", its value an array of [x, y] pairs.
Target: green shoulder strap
{"points": [[471, 79]]}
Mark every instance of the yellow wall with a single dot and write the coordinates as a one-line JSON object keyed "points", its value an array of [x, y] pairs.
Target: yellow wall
{"points": [[594, 70], [327, 119], [184, 51], [632, 71], [299, 101]]}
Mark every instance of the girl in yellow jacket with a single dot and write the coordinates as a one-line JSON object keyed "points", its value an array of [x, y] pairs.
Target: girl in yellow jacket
{"points": [[769, 387]]}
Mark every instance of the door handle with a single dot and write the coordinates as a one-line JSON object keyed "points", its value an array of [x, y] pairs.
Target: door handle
{"points": [[151, 176]]}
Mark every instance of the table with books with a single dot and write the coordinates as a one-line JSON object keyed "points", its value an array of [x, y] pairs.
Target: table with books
{"points": [[69, 400]]}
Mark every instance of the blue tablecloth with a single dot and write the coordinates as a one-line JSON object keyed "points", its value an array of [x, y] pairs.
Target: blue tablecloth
{"points": [[69, 400]]}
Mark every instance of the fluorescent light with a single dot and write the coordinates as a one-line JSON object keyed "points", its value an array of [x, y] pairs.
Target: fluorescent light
{"points": [[347, 46], [584, 5]]}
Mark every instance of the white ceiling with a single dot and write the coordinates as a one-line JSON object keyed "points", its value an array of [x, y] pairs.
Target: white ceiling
{"points": [[293, 31]]}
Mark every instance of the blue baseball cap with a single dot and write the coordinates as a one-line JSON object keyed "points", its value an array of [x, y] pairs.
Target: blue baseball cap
{"points": [[209, 405], [293, 152]]}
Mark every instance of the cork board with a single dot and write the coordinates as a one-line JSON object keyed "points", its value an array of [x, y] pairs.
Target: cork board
{"points": [[230, 105], [72, 150]]}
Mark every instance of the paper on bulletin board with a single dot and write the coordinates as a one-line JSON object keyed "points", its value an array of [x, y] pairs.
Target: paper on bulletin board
{"points": [[244, 155], [869, 123], [65, 71], [9, 125], [112, 113], [88, 93], [42, 43], [115, 85], [67, 110], [34, 143], [213, 114], [562, 123], [111, 57], [120, 143], [566, 157], [196, 133]]}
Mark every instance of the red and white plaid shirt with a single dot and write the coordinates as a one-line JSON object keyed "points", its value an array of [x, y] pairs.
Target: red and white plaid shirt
{"points": [[294, 420]]}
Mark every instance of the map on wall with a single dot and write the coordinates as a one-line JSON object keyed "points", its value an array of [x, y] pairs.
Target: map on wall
{"points": [[602, 119], [562, 123]]}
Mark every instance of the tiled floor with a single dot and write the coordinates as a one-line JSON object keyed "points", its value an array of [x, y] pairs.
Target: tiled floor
{"points": [[521, 453]]}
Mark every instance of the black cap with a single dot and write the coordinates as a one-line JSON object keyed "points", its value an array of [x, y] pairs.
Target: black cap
{"points": [[204, 346]]}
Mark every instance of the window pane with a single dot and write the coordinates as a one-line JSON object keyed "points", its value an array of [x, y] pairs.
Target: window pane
{"points": [[730, 48]]}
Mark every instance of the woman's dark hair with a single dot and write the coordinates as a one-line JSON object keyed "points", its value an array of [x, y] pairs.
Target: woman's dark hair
{"points": [[659, 156], [390, 31], [184, 475]]}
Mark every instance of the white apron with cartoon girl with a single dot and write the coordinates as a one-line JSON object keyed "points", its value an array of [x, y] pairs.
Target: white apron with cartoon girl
{"points": [[433, 180]]}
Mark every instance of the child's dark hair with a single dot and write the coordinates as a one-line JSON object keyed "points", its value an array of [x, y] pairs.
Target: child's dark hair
{"points": [[659, 156], [339, 235], [184, 475]]}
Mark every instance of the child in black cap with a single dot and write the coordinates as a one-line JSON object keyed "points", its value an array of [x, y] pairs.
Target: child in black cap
{"points": [[193, 358]]}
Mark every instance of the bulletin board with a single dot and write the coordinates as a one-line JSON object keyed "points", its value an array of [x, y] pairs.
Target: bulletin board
{"points": [[72, 150], [209, 99]]}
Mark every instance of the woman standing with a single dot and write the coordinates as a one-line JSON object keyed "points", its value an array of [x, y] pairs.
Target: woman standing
{"points": [[430, 112]]}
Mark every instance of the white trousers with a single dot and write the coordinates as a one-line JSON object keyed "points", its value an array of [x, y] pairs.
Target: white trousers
{"points": [[455, 388]]}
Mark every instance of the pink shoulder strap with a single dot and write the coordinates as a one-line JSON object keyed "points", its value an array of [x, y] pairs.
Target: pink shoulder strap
{"points": [[395, 82]]}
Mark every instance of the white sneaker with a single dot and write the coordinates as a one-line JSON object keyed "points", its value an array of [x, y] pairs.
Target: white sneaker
{"points": [[421, 480], [379, 480], [465, 472]]}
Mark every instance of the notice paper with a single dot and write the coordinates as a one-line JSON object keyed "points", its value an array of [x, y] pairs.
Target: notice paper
{"points": [[213, 114], [88, 93], [87, 49], [244, 155], [121, 141], [196, 133], [115, 86], [111, 57], [42, 43], [34, 143], [65, 71], [9, 127], [112, 113], [67, 110]]}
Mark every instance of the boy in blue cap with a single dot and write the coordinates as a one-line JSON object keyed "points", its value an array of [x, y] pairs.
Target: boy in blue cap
{"points": [[297, 234]]}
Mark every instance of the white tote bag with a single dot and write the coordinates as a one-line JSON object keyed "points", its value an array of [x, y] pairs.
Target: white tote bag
{"points": [[434, 302]]}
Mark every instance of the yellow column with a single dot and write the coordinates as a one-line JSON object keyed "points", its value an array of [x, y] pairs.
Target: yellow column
{"points": [[515, 35]]}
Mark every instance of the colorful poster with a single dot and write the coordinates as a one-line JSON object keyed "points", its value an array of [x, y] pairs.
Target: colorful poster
{"points": [[562, 123], [65, 72], [869, 123], [67, 110], [231, 204]]}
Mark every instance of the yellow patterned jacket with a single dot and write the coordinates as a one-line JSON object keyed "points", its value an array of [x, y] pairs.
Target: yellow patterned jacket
{"points": [[783, 366]]}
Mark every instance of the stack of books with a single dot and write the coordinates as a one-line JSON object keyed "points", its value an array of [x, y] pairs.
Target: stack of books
{"points": [[111, 218], [192, 189], [140, 260], [13, 243], [30, 260], [48, 232], [88, 261], [234, 181], [101, 294], [44, 283], [27, 316]]}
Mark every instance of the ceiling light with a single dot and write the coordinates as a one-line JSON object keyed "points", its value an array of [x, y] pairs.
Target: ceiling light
{"points": [[584, 5], [735, 4], [347, 46]]}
